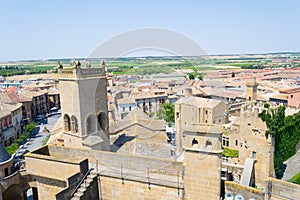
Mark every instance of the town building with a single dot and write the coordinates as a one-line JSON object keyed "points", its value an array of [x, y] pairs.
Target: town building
{"points": [[10, 122]]}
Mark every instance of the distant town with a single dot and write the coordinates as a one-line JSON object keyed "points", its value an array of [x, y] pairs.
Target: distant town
{"points": [[170, 127]]}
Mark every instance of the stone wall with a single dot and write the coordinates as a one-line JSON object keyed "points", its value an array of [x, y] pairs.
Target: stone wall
{"points": [[113, 188], [92, 192], [276, 190], [49, 168], [284, 190], [115, 161], [123, 176], [246, 192], [202, 175]]}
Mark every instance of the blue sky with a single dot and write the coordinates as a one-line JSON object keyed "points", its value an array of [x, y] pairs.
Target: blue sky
{"points": [[59, 29]]}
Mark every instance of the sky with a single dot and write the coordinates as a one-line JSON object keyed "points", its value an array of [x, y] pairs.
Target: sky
{"points": [[68, 29]]}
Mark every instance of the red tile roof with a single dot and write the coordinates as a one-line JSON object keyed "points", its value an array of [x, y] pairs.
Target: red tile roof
{"points": [[291, 90]]}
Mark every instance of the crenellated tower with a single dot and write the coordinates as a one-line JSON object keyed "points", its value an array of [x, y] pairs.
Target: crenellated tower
{"points": [[83, 94]]}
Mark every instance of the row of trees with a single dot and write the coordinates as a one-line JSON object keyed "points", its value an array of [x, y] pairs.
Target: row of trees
{"points": [[12, 71], [286, 133], [11, 149]]}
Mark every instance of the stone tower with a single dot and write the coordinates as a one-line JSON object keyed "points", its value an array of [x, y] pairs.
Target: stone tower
{"points": [[252, 142], [199, 147], [252, 90], [83, 94]]}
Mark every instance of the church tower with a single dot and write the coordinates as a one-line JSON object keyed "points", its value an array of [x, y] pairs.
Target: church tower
{"points": [[252, 90], [199, 147], [83, 94]]}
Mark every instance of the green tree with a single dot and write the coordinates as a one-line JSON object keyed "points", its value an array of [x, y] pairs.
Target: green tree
{"points": [[166, 112], [286, 133], [30, 127], [194, 74]]}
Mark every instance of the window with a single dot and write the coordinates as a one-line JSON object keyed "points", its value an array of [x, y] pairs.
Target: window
{"points": [[225, 141], [206, 112], [129, 108], [292, 96], [206, 121], [6, 172], [177, 115], [194, 143], [67, 122], [74, 124], [102, 121], [208, 144], [90, 126], [123, 109], [254, 154], [236, 142]]}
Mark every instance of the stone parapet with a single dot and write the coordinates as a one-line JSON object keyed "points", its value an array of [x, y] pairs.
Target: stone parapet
{"points": [[79, 73]]}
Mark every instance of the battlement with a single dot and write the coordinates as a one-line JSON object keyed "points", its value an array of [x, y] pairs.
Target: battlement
{"points": [[80, 73], [254, 108]]}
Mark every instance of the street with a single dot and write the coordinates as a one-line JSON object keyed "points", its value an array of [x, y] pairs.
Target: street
{"points": [[37, 139]]}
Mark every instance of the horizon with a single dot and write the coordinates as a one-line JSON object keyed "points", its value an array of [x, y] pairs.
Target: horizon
{"points": [[145, 56], [60, 30]]}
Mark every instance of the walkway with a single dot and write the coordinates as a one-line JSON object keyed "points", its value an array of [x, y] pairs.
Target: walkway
{"points": [[292, 166]]}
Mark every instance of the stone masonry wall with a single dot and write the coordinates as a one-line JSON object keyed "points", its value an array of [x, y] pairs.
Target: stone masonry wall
{"points": [[284, 190], [92, 192], [114, 160], [112, 188], [246, 192], [202, 176]]}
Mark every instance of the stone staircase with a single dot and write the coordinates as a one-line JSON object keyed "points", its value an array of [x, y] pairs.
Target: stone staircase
{"points": [[86, 183], [248, 171]]}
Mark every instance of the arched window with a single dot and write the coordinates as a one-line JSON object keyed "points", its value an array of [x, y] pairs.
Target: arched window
{"points": [[74, 124], [195, 143], [208, 145], [90, 124], [67, 122], [102, 121]]}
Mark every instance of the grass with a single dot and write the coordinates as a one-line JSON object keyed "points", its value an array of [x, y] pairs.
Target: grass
{"points": [[295, 179], [227, 152]]}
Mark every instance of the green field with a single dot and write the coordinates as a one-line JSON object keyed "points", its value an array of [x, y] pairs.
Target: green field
{"points": [[295, 179], [153, 65]]}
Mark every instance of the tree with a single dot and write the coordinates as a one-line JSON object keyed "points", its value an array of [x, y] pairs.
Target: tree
{"points": [[286, 133], [166, 112], [194, 74], [30, 127]]}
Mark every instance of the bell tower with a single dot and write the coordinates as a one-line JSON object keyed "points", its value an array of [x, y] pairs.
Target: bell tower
{"points": [[198, 145], [252, 90], [83, 94]]}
